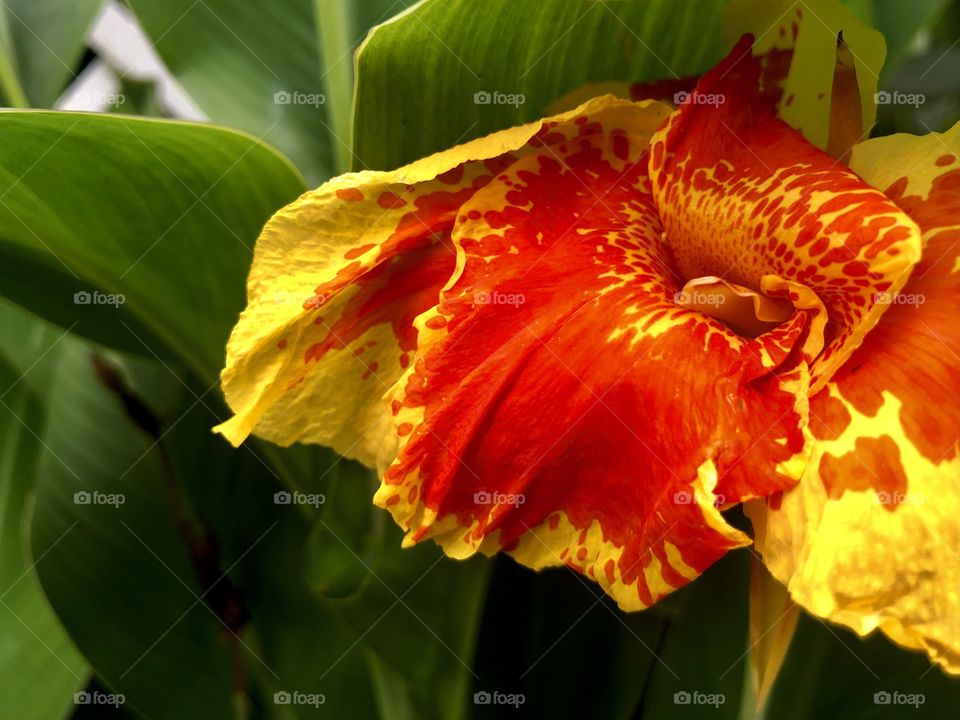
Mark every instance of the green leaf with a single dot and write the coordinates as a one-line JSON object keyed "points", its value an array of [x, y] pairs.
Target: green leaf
{"points": [[704, 655], [421, 612], [418, 74], [899, 22], [162, 213], [295, 642], [39, 667], [830, 672], [43, 44], [341, 547], [114, 565], [545, 632], [261, 67]]}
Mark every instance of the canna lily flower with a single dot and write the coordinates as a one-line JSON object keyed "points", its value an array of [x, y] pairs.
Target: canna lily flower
{"points": [[580, 340]]}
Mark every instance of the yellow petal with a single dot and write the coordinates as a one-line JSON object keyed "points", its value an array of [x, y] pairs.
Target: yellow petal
{"points": [[810, 29], [870, 538], [337, 278]]}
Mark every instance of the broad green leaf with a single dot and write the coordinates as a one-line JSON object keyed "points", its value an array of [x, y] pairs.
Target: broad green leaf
{"points": [[295, 642], [125, 584], [42, 45], [421, 613], [830, 672], [162, 213], [397, 599], [899, 22], [556, 639], [346, 542], [419, 75], [261, 67], [704, 653], [342, 25], [39, 667], [114, 565]]}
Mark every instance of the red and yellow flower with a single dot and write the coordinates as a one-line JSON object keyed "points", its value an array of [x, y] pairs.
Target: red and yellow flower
{"points": [[579, 340]]}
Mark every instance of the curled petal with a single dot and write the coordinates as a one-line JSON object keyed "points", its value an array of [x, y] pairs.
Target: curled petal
{"points": [[743, 196], [796, 42], [563, 406], [337, 279], [871, 536]]}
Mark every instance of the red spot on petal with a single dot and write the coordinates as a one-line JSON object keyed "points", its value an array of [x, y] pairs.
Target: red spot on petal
{"points": [[451, 177], [873, 464], [350, 194], [390, 201], [356, 252]]}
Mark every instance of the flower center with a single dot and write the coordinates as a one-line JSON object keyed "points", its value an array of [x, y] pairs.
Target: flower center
{"points": [[747, 312]]}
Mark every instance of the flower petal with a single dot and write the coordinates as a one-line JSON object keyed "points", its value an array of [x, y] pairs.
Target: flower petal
{"points": [[871, 536], [337, 278], [798, 42], [743, 196], [563, 406]]}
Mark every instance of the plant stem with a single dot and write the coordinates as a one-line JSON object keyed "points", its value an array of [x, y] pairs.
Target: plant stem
{"points": [[335, 35], [9, 83]]}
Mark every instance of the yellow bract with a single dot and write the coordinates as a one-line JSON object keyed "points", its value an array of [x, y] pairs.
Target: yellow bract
{"points": [[337, 400], [806, 98], [872, 558]]}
